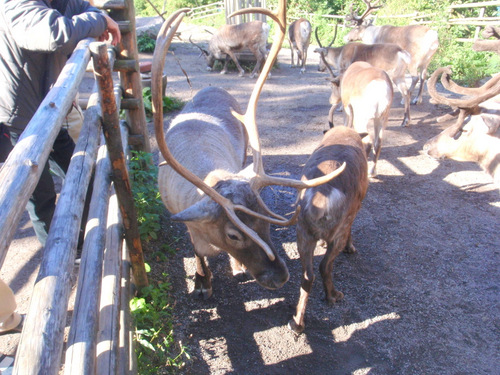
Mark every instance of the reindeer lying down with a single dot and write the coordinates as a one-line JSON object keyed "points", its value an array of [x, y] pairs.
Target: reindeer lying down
{"points": [[475, 136]]}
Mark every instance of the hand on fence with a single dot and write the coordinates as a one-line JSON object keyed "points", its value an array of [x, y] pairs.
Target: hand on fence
{"points": [[113, 29]]}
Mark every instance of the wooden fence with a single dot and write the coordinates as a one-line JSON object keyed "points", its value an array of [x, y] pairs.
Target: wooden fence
{"points": [[100, 334]]}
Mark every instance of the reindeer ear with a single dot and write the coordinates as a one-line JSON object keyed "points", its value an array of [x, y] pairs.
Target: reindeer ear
{"points": [[491, 122], [205, 210]]}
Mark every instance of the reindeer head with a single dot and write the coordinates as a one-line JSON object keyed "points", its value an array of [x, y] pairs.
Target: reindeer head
{"points": [[359, 23], [455, 141], [323, 51], [209, 56]]}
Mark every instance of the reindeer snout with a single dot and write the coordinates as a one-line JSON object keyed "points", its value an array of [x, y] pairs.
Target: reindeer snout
{"points": [[274, 278]]}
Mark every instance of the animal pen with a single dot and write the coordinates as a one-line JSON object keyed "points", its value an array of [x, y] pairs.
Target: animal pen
{"points": [[99, 339]]}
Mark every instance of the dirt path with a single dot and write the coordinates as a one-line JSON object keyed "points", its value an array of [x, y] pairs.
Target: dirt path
{"points": [[421, 295]]}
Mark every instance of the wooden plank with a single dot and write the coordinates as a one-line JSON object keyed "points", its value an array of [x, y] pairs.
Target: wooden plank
{"points": [[108, 339], [120, 173]]}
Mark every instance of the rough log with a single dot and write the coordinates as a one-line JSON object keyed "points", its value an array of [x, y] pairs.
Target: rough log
{"points": [[120, 173]]}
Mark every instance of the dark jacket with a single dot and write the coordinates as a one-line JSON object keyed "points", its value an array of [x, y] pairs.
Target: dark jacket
{"points": [[35, 43]]}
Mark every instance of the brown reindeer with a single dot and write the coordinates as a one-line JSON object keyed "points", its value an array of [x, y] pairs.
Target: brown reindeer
{"points": [[328, 211], [299, 34], [386, 56], [203, 182], [229, 39], [474, 136], [366, 94], [420, 41]]}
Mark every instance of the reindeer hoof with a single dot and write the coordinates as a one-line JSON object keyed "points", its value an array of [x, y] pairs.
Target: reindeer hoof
{"points": [[350, 249], [336, 296], [298, 329], [202, 293], [223, 72]]}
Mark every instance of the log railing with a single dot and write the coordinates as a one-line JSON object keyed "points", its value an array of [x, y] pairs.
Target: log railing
{"points": [[99, 338]]}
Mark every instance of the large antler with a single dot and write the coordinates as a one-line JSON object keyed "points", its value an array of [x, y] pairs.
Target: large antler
{"points": [[353, 17], [261, 179], [468, 106], [333, 40]]}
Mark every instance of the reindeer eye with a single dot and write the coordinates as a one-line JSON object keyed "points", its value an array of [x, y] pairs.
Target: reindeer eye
{"points": [[234, 235]]}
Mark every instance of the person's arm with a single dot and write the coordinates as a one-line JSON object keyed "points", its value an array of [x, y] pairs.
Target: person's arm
{"points": [[37, 27]]}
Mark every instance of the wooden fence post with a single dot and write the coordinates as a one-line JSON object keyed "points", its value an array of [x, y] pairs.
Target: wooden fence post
{"points": [[111, 129]]}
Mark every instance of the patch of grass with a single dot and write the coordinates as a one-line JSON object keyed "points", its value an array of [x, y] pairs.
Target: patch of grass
{"points": [[146, 43], [156, 349], [169, 104], [144, 176]]}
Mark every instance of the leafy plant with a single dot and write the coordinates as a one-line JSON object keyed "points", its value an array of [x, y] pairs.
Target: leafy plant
{"points": [[169, 104], [152, 312], [143, 175], [146, 43]]}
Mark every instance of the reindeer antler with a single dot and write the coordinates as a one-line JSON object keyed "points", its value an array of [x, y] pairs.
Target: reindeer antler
{"points": [[353, 17], [248, 119], [333, 40], [466, 106], [261, 179]]}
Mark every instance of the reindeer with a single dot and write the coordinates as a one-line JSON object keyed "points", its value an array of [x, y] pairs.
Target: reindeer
{"points": [[328, 211], [299, 34], [366, 94], [420, 41], [475, 134], [229, 39], [387, 56], [203, 182]]}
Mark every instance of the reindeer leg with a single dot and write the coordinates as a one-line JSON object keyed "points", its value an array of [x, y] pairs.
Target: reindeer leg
{"points": [[203, 278], [406, 96], [304, 58], [305, 247], [414, 80], [226, 61], [233, 57], [377, 144], [423, 77], [326, 268], [260, 57], [240, 272], [292, 52]]}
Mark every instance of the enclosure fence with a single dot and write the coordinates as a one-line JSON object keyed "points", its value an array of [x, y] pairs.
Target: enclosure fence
{"points": [[100, 333]]}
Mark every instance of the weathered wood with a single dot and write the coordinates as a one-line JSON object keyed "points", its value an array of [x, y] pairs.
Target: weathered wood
{"points": [[41, 343], [108, 339], [21, 171], [120, 172], [130, 104], [82, 338], [126, 355], [126, 66], [131, 80]]}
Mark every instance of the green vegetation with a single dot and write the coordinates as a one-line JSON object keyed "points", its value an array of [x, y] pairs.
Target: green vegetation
{"points": [[146, 43], [157, 352], [169, 104], [143, 175]]}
